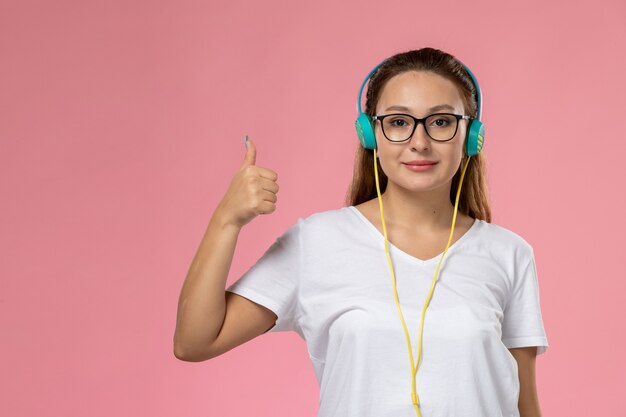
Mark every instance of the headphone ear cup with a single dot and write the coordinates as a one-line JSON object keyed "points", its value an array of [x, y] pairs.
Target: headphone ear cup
{"points": [[475, 138], [365, 131]]}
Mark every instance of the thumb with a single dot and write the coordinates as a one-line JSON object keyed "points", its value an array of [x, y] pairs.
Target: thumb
{"points": [[250, 158]]}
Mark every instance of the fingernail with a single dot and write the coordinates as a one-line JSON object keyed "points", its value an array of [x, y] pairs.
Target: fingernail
{"points": [[245, 141]]}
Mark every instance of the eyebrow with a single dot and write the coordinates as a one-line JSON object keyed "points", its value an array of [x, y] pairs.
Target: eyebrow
{"points": [[434, 108]]}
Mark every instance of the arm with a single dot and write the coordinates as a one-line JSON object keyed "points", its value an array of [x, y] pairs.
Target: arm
{"points": [[202, 304], [528, 402], [210, 322]]}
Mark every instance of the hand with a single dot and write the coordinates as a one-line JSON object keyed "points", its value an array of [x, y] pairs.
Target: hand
{"points": [[252, 191]]}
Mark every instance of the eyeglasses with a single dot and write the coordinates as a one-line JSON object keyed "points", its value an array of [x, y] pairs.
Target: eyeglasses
{"points": [[439, 126]]}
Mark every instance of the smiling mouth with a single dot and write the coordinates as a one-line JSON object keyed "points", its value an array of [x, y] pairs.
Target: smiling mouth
{"points": [[419, 163]]}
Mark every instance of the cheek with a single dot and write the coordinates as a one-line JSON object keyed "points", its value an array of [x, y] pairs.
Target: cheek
{"points": [[459, 149], [453, 157], [459, 153]]}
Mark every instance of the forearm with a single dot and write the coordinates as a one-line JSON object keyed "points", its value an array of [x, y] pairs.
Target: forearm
{"points": [[528, 403], [529, 407]]}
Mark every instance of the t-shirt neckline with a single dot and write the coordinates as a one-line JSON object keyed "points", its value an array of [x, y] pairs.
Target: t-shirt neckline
{"points": [[412, 258]]}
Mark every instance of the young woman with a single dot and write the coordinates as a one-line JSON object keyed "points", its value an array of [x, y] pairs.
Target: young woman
{"points": [[410, 300]]}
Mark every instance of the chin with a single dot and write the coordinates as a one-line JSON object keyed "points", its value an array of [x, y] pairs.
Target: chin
{"points": [[419, 188], [421, 185]]}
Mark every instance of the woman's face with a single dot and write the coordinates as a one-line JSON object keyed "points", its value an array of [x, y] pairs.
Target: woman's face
{"points": [[416, 93]]}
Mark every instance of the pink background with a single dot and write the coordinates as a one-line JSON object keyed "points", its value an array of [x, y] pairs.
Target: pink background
{"points": [[121, 125]]}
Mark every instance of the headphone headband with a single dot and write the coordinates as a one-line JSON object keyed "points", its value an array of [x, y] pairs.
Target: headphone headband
{"points": [[475, 131], [479, 98], [479, 95], [358, 102]]}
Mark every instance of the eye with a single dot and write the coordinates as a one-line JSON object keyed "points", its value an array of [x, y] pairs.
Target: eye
{"points": [[441, 120], [399, 122]]}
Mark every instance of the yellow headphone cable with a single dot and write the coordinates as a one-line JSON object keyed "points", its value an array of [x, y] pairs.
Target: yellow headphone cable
{"points": [[414, 397]]}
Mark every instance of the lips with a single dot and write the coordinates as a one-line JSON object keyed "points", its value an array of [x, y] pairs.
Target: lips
{"points": [[425, 162]]}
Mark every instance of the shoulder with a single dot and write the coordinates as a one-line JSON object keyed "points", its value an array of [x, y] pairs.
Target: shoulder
{"points": [[502, 239], [338, 222], [502, 233], [327, 217]]}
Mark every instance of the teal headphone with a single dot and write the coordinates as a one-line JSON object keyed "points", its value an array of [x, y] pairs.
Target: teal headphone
{"points": [[475, 131]]}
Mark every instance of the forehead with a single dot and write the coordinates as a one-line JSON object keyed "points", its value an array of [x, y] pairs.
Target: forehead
{"points": [[418, 91]]}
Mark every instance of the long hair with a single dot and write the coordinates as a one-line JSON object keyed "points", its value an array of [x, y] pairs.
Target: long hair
{"points": [[474, 198]]}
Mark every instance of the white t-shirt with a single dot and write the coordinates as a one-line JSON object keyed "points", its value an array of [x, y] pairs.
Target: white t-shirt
{"points": [[328, 279]]}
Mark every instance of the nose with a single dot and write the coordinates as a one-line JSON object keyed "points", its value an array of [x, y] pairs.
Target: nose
{"points": [[420, 139]]}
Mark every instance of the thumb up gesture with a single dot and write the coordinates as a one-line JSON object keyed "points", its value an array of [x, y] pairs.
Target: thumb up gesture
{"points": [[252, 191]]}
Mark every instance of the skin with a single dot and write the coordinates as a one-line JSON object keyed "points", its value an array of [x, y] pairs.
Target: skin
{"points": [[528, 403], [417, 207]]}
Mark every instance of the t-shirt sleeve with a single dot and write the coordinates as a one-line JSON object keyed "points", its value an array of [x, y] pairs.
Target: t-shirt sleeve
{"points": [[273, 280], [522, 324]]}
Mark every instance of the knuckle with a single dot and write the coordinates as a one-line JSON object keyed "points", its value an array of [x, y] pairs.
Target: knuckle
{"points": [[252, 183], [251, 171]]}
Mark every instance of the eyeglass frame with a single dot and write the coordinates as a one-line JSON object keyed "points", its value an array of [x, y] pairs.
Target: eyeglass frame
{"points": [[417, 121]]}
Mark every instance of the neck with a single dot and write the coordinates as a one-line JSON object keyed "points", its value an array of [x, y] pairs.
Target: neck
{"points": [[423, 212]]}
